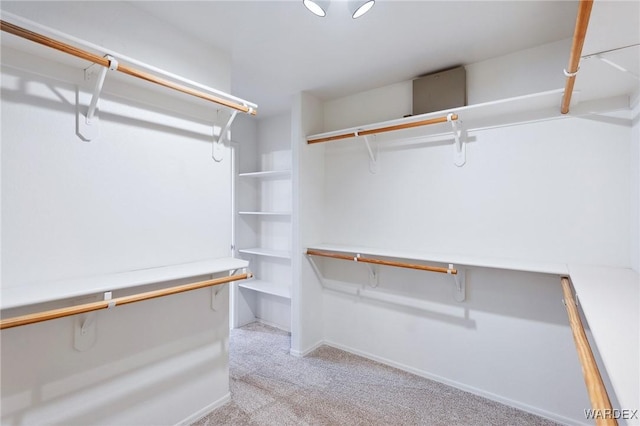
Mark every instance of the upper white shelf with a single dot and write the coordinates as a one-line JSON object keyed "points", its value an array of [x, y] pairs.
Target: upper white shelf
{"points": [[269, 174], [456, 259], [473, 116], [24, 295]]}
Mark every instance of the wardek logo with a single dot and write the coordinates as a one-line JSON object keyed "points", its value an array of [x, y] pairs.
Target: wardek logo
{"points": [[594, 414]]}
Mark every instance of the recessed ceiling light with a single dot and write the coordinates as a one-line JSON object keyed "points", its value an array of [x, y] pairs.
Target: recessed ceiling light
{"points": [[317, 7], [359, 8]]}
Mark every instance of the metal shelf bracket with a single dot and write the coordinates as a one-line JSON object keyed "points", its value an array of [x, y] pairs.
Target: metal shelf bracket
{"points": [[218, 141], [460, 289], [84, 336], [373, 275], [459, 147], [87, 123], [373, 153]]}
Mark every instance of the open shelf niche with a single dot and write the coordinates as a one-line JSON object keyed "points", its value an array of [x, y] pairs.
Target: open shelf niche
{"points": [[262, 221]]}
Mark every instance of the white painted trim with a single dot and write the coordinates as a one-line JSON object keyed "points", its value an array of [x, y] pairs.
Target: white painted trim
{"points": [[206, 410], [497, 398], [301, 354]]}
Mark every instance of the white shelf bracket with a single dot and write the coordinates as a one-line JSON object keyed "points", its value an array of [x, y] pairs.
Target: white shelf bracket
{"points": [[218, 142], [373, 153], [373, 275], [216, 302], [459, 147], [84, 336], [460, 289], [316, 270], [88, 123]]}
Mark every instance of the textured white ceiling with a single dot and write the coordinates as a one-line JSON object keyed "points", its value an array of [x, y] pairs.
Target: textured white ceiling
{"points": [[278, 48]]}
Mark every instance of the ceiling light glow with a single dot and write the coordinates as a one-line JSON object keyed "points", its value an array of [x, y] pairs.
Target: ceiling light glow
{"points": [[359, 8], [318, 8]]}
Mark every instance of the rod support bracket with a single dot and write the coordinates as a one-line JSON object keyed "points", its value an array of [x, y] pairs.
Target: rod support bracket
{"points": [[374, 276], [84, 336], [218, 141], [460, 289], [459, 148], [87, 123], [216, 301], [373, 153]]}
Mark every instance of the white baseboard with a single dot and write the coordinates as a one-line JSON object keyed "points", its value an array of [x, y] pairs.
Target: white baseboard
{"points": [[497, 398], [204, 411], [307, 351], [273, 324]]}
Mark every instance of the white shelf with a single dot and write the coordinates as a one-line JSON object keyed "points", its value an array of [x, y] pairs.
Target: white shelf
{"points": [[456, 259], [472, 116], [258, 251], [610, 301], [267, 287], [24, 295], [267, 174], [256, 213]]}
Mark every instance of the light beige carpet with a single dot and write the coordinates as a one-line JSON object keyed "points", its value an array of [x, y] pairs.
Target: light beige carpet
{"points": [[333, 387]]}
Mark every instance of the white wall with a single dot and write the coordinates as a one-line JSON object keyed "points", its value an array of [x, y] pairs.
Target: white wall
{"points": [[508, 341], [635, 185], [522, 194], [553, 190], [145, 193]]}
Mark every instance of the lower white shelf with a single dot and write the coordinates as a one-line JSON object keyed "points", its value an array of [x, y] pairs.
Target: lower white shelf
{"points": [[259, 251], [609, 299], [267, 287], [47, 291]]}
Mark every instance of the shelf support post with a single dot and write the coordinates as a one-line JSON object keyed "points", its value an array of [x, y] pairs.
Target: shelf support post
{"points": [[88, 124]]}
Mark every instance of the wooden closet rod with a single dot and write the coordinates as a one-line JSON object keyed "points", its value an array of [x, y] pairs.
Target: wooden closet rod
{"points": [[92, 57], [357, 258], [579, 33], [104, 304], [353, 134], [595, 386]]}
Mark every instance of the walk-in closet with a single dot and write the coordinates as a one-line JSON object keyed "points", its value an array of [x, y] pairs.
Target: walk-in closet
{"points": [[320, 212]]}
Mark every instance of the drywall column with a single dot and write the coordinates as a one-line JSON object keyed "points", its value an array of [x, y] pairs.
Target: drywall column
{"points": [[308, 219]]}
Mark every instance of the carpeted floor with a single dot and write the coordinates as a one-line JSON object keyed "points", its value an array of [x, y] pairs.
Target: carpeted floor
{"points": [[333, 387]]}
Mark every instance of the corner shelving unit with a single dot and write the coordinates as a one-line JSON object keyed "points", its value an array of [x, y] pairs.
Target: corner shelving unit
{"points": [[263, 226]]}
